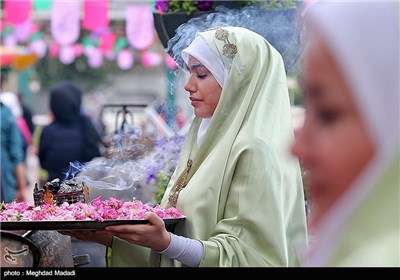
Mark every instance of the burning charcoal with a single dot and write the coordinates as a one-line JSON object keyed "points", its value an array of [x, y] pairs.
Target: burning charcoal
{"points": [[58, 192], [53, 186], [78, 188], [48, 197], [65, 188]]}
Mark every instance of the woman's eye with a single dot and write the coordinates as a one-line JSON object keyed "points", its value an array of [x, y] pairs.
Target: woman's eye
{"points": [[201, 76]]}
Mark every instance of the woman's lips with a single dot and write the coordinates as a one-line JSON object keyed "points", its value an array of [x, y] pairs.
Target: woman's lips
{"points": [[194, 101]]}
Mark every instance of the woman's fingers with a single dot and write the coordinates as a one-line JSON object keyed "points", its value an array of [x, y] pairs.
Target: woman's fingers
{"points": [[154, 219], [124, 228], [152, 235]]}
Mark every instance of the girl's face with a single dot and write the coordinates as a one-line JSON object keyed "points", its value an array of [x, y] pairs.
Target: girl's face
{"points": [[334, 144], [203, 88]]}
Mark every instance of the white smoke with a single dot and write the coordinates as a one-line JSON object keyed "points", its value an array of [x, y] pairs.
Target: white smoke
{"points": [[281, 27]]}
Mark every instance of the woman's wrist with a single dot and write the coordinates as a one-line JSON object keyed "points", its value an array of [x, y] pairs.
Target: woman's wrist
{"points": [[166, 240], [187, 251]]}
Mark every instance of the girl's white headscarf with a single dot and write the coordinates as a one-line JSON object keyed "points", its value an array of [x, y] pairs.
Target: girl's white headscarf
{"points": [[363, 37], [11, 101], [199, 49]]}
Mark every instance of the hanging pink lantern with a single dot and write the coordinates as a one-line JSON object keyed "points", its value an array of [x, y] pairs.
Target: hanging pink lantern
{"points": [[10, 41], [88, 50], [95, 58], [65, 18], [38, 47], [22, 31], [54, 49], [95, 14], [170, 62], [78, 50], [67, 55], [125, 59], [17, 12], [107, 41], [151, 59], [139, 26]]}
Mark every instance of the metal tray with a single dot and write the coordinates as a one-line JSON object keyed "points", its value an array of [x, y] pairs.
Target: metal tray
{"points": [[75, 225]]}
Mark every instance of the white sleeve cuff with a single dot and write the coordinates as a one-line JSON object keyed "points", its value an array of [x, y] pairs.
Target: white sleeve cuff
{"points": [[187, 251]]}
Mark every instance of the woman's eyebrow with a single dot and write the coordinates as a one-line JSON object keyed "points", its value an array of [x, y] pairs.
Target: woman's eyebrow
{"points": [[196, 66]]}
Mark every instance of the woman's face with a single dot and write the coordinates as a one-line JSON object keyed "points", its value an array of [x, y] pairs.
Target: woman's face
{"points": [[333, 144], [203, 88]]}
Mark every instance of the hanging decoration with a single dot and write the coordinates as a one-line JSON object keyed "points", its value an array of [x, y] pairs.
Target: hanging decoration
{"points": [[95, 58], [151, 59], [22, 31], [17, 12], [124, 45], [17, 57], [95, 14], [5, 59], [21, 62], [42, 5], [54, 50], [65, 27], [125, 59], [120, 44], [38, 47], [78, 50], [107, 41], [67, 55], [139, 26], [9, 40]]}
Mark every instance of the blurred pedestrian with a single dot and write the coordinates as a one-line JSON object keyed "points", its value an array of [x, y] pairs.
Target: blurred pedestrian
{"points": [[70, 137], [13, 180], [10, 99], [26, 113]]}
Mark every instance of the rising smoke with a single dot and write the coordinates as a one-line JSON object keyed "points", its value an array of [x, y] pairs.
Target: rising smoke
{"points": [[281, 27]]}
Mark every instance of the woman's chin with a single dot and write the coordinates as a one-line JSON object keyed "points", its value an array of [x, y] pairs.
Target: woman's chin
{"points": [[320, 207]]}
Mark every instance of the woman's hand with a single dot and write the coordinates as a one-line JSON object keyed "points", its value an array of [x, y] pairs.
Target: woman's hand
{"points": [[152, 235], [99, 236]]}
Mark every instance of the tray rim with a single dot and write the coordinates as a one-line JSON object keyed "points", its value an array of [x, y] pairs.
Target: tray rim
{"points": [[76, 224]]}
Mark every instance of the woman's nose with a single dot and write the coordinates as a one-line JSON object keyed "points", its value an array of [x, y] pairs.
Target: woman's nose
{"points": [[190, 87], [299, 145]]}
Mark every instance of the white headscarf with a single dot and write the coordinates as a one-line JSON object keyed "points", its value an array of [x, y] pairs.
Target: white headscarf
{"points": [[363, 37], [11, 101], [200, 50]]}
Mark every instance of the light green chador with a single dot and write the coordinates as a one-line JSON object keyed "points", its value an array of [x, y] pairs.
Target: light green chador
{"points": [[243, 195], [371, 236]]}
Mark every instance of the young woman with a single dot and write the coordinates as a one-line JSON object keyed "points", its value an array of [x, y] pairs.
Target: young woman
{"points": [[350, 139], [236, 183]]}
